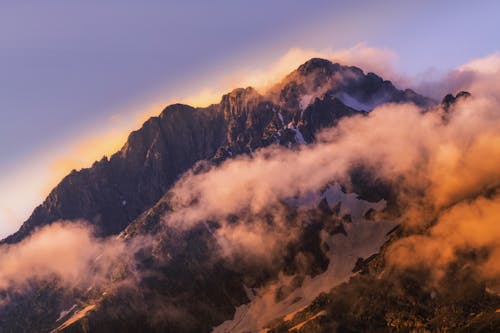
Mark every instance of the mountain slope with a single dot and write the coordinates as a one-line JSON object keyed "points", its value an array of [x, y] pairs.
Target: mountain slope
{"points": [[114, 191]]}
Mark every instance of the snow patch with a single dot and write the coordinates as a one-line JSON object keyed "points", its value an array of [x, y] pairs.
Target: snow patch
{"points": [[305, 100], [349, 202], [356, 104], [66, 312], [298, 136], [280, 116], [493, 291]]}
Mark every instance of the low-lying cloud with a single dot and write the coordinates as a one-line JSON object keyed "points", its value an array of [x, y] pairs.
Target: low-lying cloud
{"points": [[67, 252], [464, 228], [479, 76]]}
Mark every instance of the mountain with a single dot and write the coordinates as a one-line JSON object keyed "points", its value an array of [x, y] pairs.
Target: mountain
{"points": [[326, 273], [115, 191]]}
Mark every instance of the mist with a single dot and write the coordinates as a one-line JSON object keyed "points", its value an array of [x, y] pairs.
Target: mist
{"points": [[66, 252]]}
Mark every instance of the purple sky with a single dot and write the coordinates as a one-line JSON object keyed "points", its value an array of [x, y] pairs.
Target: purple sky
{"points": [[67, 67]]}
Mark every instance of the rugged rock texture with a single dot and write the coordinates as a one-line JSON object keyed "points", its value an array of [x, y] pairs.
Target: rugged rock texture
{"points": [[449, 100], [113, 192]]}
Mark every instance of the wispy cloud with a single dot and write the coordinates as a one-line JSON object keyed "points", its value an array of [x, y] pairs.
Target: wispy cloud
{"points": [[66, 252]]}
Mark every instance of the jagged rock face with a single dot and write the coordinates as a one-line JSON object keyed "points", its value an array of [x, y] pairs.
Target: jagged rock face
{"points": [[185, 286], [247, 114], [319, 77], [322, 113], [113, 192], [449, 100]]}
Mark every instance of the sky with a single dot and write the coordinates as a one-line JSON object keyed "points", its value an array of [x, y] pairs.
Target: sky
{"points": [[76, 77]]}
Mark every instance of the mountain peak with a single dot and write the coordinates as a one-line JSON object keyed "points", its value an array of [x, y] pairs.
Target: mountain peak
{"points": [[326, 66], [239, 100], [248, 92], [316, 63], [449, 100], [169, 144]]}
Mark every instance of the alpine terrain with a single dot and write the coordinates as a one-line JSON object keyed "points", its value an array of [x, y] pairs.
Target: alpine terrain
{"points": [[310, 207]]}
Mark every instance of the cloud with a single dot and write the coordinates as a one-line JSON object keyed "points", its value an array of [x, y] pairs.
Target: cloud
{"points": [[256, 241], [489, 64], [371, 59], [67, 252], [465, 228]]}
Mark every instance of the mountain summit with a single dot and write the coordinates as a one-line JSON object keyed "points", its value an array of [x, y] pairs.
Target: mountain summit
{"points": [[115, 191]]}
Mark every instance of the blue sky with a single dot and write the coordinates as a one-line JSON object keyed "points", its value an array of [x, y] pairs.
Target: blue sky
{"points": [[70, 68]]}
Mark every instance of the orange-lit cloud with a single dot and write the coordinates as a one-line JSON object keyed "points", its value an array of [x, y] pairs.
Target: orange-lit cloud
{"points": [[465, 227]]}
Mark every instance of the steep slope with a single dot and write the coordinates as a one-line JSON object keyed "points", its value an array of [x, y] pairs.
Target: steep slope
{"points": [[114, 191]]}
